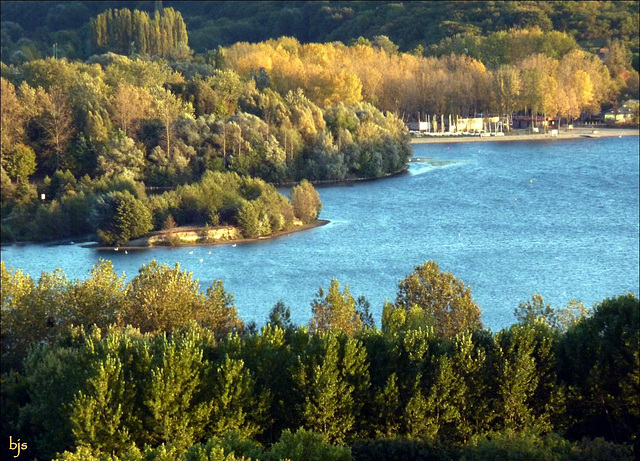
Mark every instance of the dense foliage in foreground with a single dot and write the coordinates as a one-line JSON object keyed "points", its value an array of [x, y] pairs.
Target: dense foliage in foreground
{"points": [[156, 369]]}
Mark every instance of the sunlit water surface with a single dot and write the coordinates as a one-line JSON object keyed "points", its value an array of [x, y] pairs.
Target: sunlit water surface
{"points": [[559, 218]]}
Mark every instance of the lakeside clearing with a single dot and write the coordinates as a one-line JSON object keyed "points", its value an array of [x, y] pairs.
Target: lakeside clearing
{"points": [[194, 231], [576, 133]]}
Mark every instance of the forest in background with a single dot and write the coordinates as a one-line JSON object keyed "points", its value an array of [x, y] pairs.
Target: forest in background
{"points": [[144, 110], [408, 24]]}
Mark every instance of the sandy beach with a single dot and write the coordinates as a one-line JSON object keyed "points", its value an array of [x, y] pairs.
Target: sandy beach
{"points": [[581, 132]]}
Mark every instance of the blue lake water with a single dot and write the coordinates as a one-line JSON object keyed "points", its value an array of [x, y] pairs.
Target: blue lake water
{"points": [[511, 219]]}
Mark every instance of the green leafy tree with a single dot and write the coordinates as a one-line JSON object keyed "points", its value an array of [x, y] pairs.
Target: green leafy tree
{"points": [[248, 220], [306, 445], [178, 411], [327, 396], [98, 300], [126, 32], [236, 405], [21, 163], [598, 358], [335, 311], [119, 155], [559, 319], [121, 217], [97, 414], [516, 376], [161, 298], [442, 296], [306, 202]]}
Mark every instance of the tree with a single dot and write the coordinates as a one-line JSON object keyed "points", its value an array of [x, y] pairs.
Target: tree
{"points": [[168, 108], [335, 311], [121, 217], [326, 395], [161, 298], [220, 315], [306, 202], [236, 405], [507, 87], [96, 301], [308, 446], [57, 122], [129, 104], [21, 163], [559, 319], [97, 414], [174, 395], [12, 117], [442, 296], [119, 155], [280, 316], [599, 357], [516, 377], [248, 220], [120, 30]]}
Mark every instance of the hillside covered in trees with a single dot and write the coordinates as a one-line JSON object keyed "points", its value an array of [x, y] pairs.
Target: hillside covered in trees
{"points": [[407, 24], [157, 369], [124, 103]]}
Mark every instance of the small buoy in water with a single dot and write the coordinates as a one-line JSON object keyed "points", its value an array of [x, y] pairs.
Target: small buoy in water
{"points": [[115, 249], [458, 234], [71, 242], [126, 252], [234, 245], [191, 252], [201, 260], [619, 136], [531, 180], [209, 251], [516, 199]]}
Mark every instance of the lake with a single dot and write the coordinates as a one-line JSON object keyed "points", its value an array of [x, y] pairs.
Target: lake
{"points": [[510, 219]]}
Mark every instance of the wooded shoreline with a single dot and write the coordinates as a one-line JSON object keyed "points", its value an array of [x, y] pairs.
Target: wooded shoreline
{"points": [[312, 225]]}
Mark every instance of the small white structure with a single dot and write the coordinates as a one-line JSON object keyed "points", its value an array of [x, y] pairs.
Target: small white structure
{"points": [[554, 133], [419, 126]]}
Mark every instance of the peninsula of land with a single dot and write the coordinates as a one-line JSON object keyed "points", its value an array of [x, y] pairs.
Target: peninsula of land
{"points": [[202, 236]]}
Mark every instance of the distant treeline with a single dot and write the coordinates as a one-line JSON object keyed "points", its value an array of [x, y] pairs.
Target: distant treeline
{"points": [[411, 25], [155, 369]]}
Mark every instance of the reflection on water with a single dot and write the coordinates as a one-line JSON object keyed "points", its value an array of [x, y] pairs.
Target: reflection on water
{"points": [[509, 219]]}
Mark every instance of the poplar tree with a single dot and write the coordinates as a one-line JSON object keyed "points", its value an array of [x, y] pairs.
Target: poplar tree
{"points": [[236, 406], [516, 377], [116, 30], [326, 396], [174, 397]]}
